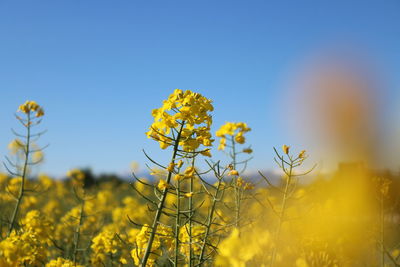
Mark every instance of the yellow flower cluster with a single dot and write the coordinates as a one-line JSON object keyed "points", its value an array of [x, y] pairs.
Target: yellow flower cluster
{"points": [[35, 221], [60, 262], [22, 249], [234, 253], [29, 245], [15, 146], [301, 156], [184, 109], [162, 184], [70, 221], [285, 149], [234, 129], [31, 106], [77, 176], [197, 239], [14, 185], [246, 185], [163, 235], [130, 206], [104, 244]]}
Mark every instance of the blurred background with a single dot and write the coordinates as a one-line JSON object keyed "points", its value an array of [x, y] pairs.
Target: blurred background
{"points": [[316, 75]]}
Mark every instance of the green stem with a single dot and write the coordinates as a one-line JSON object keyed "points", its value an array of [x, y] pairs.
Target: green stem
{"points": [[23, 178], [190, 218], [160, 206], [77, 233], [237, 190], [282, 214], [209, 223], [177, 222]]}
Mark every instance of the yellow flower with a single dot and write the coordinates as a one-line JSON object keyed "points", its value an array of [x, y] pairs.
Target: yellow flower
{"points": [[189, 194], [302, 154], [240, 138], [183, 109], [164, 234], [40, 113], [229, 128], [104, 244], [197, 238], [76, 174], [179, 165], [189, 172], [31, 106], [300, 262], [60, 262], [239, 181], [15, 146], [238, 250], [37, 156], [248, 186], [206, 153], [285, 149], [28, 246], [234, 129], [171, 167], [247, 150], [178, 177], [222, 143], [162, 184], [233, 173]]}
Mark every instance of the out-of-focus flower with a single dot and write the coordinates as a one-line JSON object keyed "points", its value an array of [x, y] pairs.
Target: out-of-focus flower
{"points": [[171, 167], [234, 129], [61, 262], [31, 106], [233, 173], [189, 172], [302, 154], [15, 146], [285, 149], [247, 150], [189, 194]]}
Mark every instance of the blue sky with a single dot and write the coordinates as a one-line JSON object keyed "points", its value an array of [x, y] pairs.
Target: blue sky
{"points": [[99, 67]]}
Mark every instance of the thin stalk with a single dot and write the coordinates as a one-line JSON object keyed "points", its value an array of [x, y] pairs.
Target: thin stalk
{"points": [[177, 222], [209, 222], [111, 259], [160, 206], [77, 233], [190, 218], [233, 153], [24, 171], [282, 213], [237, 190]]}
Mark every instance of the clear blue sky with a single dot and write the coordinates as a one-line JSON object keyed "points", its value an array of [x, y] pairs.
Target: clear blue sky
{"points": [[99, 67]]}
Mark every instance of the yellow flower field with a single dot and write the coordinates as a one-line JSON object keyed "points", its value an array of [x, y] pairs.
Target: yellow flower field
{"points": [[187, 215]]}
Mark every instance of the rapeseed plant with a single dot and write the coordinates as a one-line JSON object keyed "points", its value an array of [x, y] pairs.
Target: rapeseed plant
{"points": [[23, 150]]}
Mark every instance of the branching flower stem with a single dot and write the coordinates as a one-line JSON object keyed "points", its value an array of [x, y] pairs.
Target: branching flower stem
{"points": [[238, 197], [177, 222], [289, 176], [190, 217], [160, 206], [210, 220], [23, 176]]}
